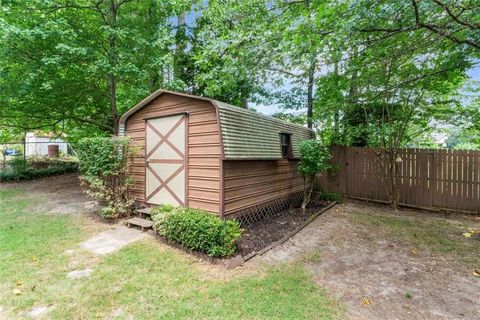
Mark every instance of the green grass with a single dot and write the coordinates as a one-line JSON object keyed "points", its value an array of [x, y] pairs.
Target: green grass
{"points": [[424, 232], [144, 280]]}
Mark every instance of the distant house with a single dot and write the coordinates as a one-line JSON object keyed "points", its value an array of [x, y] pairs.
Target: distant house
{"points": [[37, 144], [206, 154]]}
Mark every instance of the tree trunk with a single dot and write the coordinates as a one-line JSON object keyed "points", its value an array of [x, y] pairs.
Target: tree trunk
{"points": [[154, 81], [113, 60], [393, 179], [336, 115], [112, 90], [307, 190], [179, 46], [245, 102], [311, 79]]}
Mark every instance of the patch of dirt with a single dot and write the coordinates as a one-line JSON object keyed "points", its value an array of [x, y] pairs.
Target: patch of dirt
{"points": [[262, 233], [60, 194], [352, 262]]}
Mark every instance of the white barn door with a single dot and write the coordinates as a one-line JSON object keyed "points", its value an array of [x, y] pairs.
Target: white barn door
{"points": [[165, 160]]}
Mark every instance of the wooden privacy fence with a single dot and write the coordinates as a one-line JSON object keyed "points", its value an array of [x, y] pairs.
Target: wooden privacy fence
{"points": [[431, 178]]}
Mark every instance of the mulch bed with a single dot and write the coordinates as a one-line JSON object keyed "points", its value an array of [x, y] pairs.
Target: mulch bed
{"points": [[263, 233]]}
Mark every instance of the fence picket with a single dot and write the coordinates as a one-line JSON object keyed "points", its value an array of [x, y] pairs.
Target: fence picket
{"points": [[446, 179]]}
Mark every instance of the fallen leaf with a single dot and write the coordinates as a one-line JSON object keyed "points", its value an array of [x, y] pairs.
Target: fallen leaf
{"points": [[366, 301], [18, 283], [17, 292], [34, 259], [413, 251], [467, 235], [476, 273]]}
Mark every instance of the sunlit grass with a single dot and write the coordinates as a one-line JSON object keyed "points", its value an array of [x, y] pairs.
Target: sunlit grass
{"points": [[143, 280]]}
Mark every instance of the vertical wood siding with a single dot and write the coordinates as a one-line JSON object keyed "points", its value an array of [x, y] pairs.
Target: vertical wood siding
{"points": [[204, 149], [443, 179], [252, 182]]}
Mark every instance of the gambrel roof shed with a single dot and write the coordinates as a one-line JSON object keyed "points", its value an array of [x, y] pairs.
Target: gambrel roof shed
{"points": [[203, 153], [245, 134]]}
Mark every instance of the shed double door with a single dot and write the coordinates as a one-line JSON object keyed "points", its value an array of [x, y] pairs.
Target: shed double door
{"points": [[166, 160]]}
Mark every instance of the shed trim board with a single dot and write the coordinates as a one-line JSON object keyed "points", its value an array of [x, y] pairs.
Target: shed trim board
{"points": [[222, 174], [221, 143]]}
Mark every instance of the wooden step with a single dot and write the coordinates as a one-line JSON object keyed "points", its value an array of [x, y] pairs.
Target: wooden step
{"points": [[144, 212], [139, 222]]}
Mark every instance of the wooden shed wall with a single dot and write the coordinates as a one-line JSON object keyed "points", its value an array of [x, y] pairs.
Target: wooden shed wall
{"points": [[252, 182], [204, 148]]}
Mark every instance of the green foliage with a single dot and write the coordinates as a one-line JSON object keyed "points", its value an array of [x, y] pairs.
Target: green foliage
{"points": [[314, 157], [104, 165], [37, 167], [376, 81], [102, 156], [153, 283], [329, 196], [197, 230]]}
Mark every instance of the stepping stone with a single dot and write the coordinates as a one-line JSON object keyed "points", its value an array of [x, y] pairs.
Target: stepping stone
{"points": [[90, 205], [112, 240], [39, 311], [77, 274]]}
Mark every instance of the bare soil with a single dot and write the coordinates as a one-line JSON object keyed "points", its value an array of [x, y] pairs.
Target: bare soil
{"points": [[60, 194], [263, 233], [375, 270], [383, 275]]}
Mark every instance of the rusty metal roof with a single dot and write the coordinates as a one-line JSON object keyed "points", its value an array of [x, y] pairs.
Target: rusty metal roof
{"points": [[245, 134]]}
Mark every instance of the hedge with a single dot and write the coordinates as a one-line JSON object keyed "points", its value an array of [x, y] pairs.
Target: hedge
{"points": [[20, 169], [197, 230]]}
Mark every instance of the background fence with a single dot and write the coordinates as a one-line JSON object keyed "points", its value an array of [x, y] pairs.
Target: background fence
{"points": [[431, 178]]}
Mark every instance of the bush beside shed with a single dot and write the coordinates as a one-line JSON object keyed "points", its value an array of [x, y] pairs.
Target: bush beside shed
{"points": [[202, 153]]}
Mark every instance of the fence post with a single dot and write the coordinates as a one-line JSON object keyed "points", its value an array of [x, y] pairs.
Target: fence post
{"points": [[24, 141], [433, 177]]}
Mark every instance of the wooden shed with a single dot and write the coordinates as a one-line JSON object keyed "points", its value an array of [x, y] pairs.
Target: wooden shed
{"points": [[206, 154]]}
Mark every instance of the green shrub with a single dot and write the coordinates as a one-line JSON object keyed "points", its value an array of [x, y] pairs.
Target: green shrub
{"points": [[330, 196], [197, 230], [104, 165], [19, 169], [314, 158]]}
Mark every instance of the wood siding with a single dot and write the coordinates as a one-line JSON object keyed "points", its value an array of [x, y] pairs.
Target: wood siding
{"points": [[204, 148], [429, 178], [252, 182]]}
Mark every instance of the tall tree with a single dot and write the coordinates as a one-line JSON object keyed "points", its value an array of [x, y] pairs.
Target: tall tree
{"points": [[79, 64]]}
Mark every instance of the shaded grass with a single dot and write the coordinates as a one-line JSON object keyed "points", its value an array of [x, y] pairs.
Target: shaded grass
{"points": [[425, 232], [31, 247], [142, 280]]}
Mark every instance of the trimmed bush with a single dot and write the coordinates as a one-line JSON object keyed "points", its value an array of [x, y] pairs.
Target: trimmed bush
{"points": [[19, 169], [105, 169], [197, 230]]}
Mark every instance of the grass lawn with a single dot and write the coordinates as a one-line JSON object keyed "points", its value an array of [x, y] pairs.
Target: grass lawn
{"points": [[145, 280]]}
